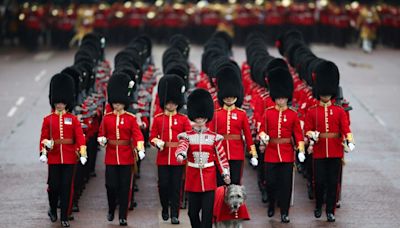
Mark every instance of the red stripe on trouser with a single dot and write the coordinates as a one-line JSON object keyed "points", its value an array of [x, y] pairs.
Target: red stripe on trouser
{"points": [[130, 192], [71, 193]]}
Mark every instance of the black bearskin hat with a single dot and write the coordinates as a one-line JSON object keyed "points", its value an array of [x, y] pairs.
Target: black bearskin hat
{"points": [[326, 78], [171, 88], [200, 105], [229, 83], [280, 83], [120, 89], [62, 90]]}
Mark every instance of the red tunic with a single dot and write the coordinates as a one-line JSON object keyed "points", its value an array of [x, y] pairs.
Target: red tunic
{"points": [[233, 124], [62, 127], [281, 125], [121, 127], [327, 119], [203, 150], [167, 127]]}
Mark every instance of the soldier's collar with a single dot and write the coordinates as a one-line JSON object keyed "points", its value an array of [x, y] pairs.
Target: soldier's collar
{"points": [[281, 109], [329, 103], [168, 113], [60, 112], [119, 113], [229, 108]]}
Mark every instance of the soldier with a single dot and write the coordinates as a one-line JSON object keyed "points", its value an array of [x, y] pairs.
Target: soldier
{"points": [[231, 122], [165, 129], [60, 137], [119, 130], [202, 148], [279, 124], [327, 126], [368, 22]]}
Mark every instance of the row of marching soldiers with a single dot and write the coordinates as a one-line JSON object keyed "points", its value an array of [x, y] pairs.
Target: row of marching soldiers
{"points": [[81, 119], [206, 148]]}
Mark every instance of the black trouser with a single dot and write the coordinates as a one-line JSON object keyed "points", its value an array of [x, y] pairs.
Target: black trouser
{"points": [[203, 201], [279, 184], [236, 171], [118, 183], [261, 169], [60, 181], [92, 147], [169, 187], [326, 173]]}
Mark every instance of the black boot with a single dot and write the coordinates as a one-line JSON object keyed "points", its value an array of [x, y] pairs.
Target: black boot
{"points": [[65, 223], [174, 220], [53, 216], [330, 217], [123, 222], [165, 215], [310, 191], [110, 216], [75, 207], [317, 212], [271, 211], [285, 218]]}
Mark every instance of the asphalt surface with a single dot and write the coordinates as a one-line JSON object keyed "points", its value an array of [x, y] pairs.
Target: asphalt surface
{"points": [[371, 185]]}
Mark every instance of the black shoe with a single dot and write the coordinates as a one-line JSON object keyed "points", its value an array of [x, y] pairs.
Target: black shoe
{"points": [[131, 206], [285, 218], [271, 211], [135, 188], [330, 217], [71, 217], [123, 222], [65, 223], [75, 208], [93, 174], [174, 220], [338, 205], [317, 212], [264, 196], [110, 216], [165, 216], [53, 216]]}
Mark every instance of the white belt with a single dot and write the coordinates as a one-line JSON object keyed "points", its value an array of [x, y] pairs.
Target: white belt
{"points": [[200, 166]]}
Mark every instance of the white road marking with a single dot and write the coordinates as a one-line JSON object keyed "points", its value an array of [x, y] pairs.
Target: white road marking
{"points": [[20, 101], [380, 121], [40, 75], [12, 111]]}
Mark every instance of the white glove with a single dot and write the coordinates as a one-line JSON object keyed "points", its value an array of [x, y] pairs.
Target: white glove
{"points": [[48, 144], [349, 147], [254, 161], [83, 160], [315, 135], [180, 158], [264, 139], [302, 157], [43, 158], [160, 144], [102, 140], [141, 154], [310, 149]]}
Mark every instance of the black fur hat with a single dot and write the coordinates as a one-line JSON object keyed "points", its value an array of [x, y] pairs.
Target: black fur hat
{"points": [[280, 83], [120, 89], [326, 78], [200, 105], [229, 83], [171, 88], [62, 90]]}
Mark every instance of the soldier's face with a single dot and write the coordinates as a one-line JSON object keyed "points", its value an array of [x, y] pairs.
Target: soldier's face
{"points": [[281, 102], [230, 100], [118, 107], [170, 107], [200, 122], [325, 98], [60, 106]]}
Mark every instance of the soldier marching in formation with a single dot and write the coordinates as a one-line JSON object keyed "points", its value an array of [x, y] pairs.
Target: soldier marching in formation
{"points": [[286, 112], [338, 22]]}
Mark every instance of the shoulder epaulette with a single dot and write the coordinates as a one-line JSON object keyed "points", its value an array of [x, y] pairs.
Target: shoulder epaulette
{"points": [[240, 109], [159, 114], [293, 109], [131, 114], [272, 107], [313, 106], [108, 113], [48, 115], [181, 114]]}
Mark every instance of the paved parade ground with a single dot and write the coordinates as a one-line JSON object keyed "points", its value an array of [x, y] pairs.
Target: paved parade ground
{"points": [[371, 185]]}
